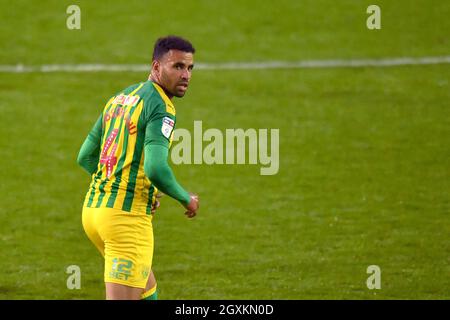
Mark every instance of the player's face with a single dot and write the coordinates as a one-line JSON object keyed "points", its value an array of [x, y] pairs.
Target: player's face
{"points": [[175, 71]]}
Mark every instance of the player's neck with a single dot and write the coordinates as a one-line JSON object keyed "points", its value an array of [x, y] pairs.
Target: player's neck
{"points": [[152, 79]]}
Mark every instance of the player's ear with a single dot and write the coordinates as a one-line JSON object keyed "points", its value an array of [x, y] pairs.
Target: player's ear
{"points": [[156, 66]]}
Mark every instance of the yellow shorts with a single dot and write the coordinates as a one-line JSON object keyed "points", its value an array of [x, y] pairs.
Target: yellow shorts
{"points": [[125, 240]]}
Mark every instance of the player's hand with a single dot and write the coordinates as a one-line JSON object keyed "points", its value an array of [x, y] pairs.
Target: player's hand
{"points": [[157, 203], [193, 206], [155, 206]]}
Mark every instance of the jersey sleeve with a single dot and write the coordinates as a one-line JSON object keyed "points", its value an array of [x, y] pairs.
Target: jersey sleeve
{"points": [[95, 134], [159, 127], [158, 135], [158, 171], [89, 153]]}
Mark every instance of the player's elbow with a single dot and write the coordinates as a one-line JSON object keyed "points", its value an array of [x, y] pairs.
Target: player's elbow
{"points": [[155, 172], [150, 170], [84, 162], [155, 164]]}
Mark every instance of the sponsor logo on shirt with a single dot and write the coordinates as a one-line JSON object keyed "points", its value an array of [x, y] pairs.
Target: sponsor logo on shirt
{"points": [[167, 127]]}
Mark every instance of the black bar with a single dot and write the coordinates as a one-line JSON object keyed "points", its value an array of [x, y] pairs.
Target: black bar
{"points": [[226, 309]]}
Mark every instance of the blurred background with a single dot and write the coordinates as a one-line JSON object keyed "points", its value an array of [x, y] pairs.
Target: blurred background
{"points": [[364, 173]]}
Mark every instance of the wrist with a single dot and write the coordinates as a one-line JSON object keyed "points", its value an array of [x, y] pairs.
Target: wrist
{"points": [[186, 199]]}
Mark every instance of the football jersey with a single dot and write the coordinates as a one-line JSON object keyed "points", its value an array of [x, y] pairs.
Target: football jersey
{"points": [[139, 115]]}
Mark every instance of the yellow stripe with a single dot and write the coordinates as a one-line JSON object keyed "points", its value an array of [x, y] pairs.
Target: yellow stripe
{"points": [[170, 108], [128, 159], [108, 185], [98, 165], [118, 153], [113, 109], [137, 89], [97, 194], [140, 198], [108, 103], [108, 123]]}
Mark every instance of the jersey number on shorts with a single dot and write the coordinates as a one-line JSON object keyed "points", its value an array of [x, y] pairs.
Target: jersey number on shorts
{"points": [[121, 269]]}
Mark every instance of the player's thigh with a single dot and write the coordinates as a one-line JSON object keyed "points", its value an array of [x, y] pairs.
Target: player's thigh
{"points": [[128, 249], [115, 291]]}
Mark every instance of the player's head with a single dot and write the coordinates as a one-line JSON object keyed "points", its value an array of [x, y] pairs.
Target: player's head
{"points": [[173, 60]]}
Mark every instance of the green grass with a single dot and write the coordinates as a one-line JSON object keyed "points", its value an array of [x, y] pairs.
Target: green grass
{"points": [[223, 30], [364, 157]]}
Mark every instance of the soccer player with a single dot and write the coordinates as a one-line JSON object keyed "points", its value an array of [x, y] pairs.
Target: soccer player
{"points": [[126, 153]]}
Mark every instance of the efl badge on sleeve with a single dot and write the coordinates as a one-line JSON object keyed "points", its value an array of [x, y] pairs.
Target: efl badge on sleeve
{"points": [[167, 127]]}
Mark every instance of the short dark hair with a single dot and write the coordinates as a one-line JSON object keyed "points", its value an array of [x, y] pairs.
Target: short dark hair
{"points": [[163, 45]]}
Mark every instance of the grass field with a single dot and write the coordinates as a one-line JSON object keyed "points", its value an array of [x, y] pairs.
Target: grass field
{"points": [[364, 173]]}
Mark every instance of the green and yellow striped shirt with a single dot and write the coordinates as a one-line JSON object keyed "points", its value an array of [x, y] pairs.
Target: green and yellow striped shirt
{"points": [[119, 181]]}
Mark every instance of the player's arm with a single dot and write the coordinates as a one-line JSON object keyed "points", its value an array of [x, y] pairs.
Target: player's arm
{"points": [[157, 168], [159, 172], [88, 156]]}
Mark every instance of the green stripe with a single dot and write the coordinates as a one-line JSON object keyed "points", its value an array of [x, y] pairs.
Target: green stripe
{"points": [[99, 172], [116, 139], [150, 197], [101, 188], [118, 175], [91, 196], [138, 149], [129, 196], [107, 109]]}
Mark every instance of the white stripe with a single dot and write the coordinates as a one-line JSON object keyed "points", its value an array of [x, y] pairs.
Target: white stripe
{"points": [[352, 63]]}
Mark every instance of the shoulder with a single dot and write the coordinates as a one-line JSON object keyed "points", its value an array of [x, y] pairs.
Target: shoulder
{"points": [[152, 95], [155, 105], [160, 98], [126, 96]]}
